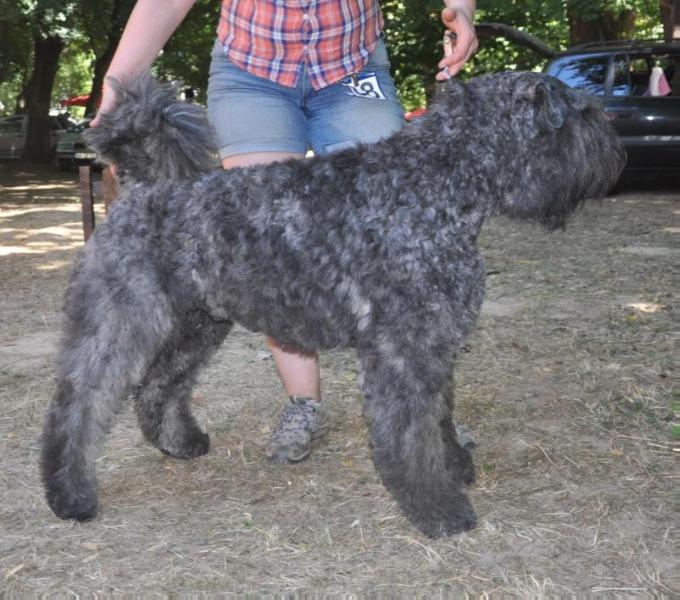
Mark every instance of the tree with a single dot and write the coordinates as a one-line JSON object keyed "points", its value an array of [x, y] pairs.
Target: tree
{"points": [[49, 23], [599, 21], [101, 23], [186, 56], [516, 36], [47, 18], [414, 39], [670, 16], [15, 53], [557, 23]]}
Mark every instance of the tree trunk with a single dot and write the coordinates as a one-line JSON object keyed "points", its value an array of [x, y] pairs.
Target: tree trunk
{"points": [[670, 16], [4, 59], [101, 64], [38, 147], [604, 26], [120, 11]]}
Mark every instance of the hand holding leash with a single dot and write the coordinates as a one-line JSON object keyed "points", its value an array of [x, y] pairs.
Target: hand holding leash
{"points": [[460, 42]]}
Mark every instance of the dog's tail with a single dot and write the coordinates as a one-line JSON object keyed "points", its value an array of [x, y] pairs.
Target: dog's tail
{"points": [[151, 136]]}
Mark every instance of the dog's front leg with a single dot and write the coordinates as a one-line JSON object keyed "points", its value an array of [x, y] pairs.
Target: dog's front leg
{"points": [[75, 424], [414, 442], [103, 355]]}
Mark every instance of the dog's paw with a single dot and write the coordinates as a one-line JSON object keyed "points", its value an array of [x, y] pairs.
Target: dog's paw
{"points": [[190, 446], [439, 520], [438, 507], [80, 505], [455, 524]]}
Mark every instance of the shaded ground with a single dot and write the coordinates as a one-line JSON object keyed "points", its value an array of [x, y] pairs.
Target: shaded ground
{"points": [[565, 384]]}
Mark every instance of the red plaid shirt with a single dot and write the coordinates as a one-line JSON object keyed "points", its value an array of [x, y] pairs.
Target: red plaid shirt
{"points": [[272, 38]]}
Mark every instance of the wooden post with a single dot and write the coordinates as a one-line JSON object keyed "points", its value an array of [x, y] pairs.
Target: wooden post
{"points": [[107, 189], [86, 200]]}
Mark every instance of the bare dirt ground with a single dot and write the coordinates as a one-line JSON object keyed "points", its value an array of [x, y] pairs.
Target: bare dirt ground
{"points": [[566, 384]]}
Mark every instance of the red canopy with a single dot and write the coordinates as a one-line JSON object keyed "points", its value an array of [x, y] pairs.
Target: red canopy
{"points": [[409, 116], [76, 100]]}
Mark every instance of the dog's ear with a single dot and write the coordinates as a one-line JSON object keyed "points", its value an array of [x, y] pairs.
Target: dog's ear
{"points": [[533, 99]]}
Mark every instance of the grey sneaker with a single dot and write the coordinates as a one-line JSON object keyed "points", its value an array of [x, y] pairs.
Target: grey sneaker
{"points": [[464, 438], [303, 420]]}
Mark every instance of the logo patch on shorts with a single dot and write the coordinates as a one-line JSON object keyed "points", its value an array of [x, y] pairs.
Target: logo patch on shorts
{"points": [[364, 85]]}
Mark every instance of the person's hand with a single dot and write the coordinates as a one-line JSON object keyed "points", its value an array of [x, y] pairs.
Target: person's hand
{"points": [[107, 103], [460, 42]]}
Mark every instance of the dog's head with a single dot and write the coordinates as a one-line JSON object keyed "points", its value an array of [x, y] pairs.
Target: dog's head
{"points": [[150, 135], [551, 146]]}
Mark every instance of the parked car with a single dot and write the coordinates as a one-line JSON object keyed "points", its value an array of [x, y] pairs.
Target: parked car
{"points": [[72, 150], [13, 133], [639, 83]]}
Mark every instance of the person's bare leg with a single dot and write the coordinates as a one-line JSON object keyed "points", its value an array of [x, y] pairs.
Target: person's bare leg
{"points": [[299, 372], [303, 419], [257, 158]]}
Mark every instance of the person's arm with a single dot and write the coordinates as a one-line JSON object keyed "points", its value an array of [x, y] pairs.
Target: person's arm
{"points": [[149, 27], [458, 16]]}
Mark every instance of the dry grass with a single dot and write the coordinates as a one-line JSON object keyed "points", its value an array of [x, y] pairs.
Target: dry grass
{"points": [[566, 385]]}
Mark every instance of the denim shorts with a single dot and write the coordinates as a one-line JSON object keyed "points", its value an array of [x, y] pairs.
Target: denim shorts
{"points": [[253, 114]]}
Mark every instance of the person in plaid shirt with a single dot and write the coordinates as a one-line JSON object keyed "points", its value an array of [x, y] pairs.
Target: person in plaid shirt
{"points": [[288, 76]]}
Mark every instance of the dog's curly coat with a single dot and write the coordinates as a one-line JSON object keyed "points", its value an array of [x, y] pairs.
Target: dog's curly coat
{"points": [[373, 247]]}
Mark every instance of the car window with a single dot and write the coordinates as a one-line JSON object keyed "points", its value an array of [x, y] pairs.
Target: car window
{"points": [[621, 83], [647, 74], [10, 127], [585, 73], [78, 127]]}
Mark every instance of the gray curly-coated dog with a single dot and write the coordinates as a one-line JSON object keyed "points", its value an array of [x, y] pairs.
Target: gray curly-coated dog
{"points": [[373, 248]]}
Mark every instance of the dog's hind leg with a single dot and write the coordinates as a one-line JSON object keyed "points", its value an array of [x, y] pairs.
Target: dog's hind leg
{"points": [[111, 334], [162, 399], [415, 451]]}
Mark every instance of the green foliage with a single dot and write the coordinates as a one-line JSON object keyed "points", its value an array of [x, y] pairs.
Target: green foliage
{"points": [[21, 21], [74, 77], [47, 17], [675, 408], [648, 19], [544, 19], [186, 56], [412, 31], [412, 92], [589, 10], [414, 36], [415, 33], [98, 20], [94, 23], [10, 89], [15, 42]]}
